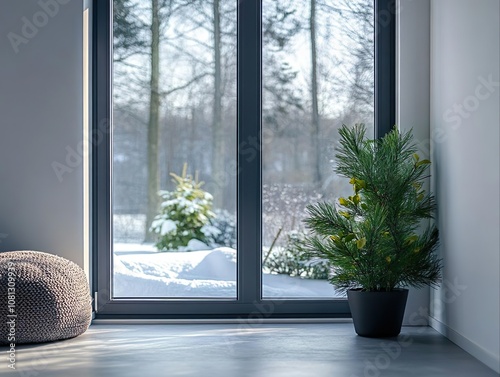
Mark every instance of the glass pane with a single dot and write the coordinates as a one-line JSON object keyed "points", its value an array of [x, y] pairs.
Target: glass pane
{"points": [[174, 149], [318, 73]]}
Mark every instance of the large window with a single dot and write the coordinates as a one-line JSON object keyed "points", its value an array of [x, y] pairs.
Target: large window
{"points": [[221, 120]]}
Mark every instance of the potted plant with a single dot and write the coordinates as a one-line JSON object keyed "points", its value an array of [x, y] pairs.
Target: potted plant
{"points": [[377, 241]]}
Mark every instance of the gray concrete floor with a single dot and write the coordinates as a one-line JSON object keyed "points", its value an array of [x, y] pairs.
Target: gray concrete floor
{"points": [[266, 350]]}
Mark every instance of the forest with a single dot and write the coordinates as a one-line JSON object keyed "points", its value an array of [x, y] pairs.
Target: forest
{"points": [[174, 93]]}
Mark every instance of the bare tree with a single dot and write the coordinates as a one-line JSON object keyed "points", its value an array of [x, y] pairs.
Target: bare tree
{"points": [[218, 140], [315, 119], [358, 26], [154, 119]]}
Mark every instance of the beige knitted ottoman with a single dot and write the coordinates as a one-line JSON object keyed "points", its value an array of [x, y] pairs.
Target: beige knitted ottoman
{"points": [[43, 298]]}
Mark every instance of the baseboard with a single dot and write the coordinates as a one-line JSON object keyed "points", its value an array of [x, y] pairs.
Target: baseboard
{"points": [[483, 355]]}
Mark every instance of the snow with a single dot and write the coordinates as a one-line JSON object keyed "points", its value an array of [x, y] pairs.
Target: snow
{"points": [[194, 245], [141, 271], [168, 226], [210, 230], [184, 205]]}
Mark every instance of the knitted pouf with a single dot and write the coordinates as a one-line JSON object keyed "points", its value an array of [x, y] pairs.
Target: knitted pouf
{"points": [[43, 298]]}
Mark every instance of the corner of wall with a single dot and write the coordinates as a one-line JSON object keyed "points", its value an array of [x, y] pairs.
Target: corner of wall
{"points": [[413, 105]]}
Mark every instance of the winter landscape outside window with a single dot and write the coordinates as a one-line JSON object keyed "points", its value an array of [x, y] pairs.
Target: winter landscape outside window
{"points": [[175, 108]]}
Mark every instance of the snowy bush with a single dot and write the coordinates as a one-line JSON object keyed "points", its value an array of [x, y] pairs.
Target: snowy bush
{"points": [[222, 229], [293, 259], [184, 215]]}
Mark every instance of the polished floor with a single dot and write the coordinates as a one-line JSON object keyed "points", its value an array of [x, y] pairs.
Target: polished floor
{"points": [[234, 350]]}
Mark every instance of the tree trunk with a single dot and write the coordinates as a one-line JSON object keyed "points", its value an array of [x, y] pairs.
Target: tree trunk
{"points": [[218, 142], [154, 120], [315, 137], [193, 138]]}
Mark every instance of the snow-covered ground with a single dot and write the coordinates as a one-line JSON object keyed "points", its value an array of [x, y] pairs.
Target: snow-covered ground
{"points": [[141, 271]]}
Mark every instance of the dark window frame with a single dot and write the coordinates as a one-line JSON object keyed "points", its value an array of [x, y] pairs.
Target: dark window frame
{"points": [[249, 303]]}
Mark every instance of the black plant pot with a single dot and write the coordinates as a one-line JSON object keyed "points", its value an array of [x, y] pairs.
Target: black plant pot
{"points": [[377, 314]]}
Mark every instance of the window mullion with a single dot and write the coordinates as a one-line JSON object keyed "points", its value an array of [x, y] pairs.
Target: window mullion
{"points": [[385, 66], [249, 150]]}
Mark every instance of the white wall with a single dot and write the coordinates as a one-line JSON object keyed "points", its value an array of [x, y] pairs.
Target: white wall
{"points": [[413, 106], [465, 139], [40, 116]]}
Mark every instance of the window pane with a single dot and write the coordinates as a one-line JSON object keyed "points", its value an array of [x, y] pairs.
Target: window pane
{"points": [[174, 78], [318, 73]]}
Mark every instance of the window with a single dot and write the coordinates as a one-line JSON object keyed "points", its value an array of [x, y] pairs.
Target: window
{"points": [[247, 97]]}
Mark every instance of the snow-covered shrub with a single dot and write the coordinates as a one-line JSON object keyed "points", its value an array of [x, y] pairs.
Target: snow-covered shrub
{"points": [[294, 260], [184, 213], [222, 229]]}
